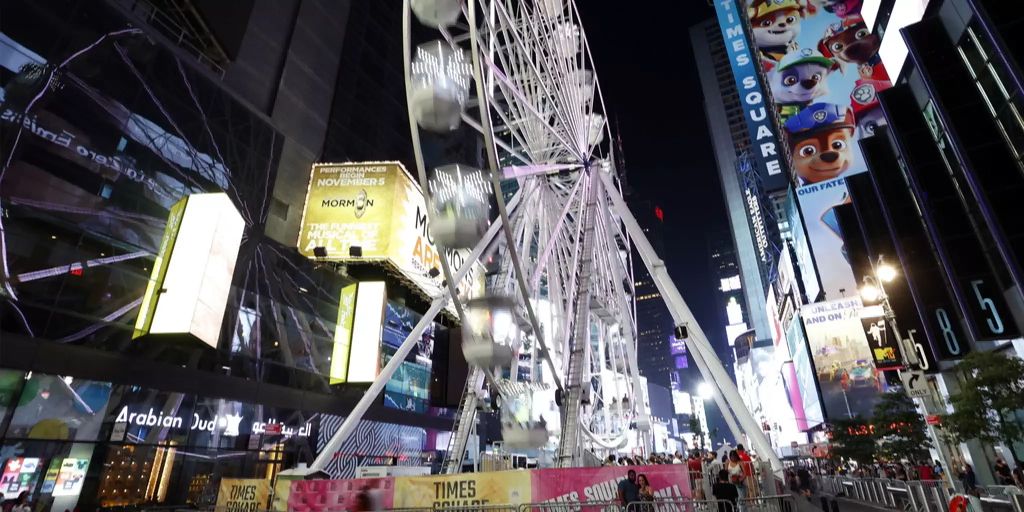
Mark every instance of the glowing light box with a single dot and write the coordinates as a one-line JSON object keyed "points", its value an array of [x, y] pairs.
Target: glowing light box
{"points": [[191, 279]]}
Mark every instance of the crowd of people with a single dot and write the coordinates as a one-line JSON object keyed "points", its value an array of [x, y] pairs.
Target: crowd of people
{"points": [[732, 476]]}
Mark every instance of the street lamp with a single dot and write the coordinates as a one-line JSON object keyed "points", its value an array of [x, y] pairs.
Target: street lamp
{"points": [[885, 271], [873, 290], [869, 291]]}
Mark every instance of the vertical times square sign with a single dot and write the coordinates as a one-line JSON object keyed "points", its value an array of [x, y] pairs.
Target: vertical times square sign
{"points": [[759, 169], [765, 144]]}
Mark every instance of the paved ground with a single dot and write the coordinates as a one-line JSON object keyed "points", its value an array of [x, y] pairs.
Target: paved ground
{"points": [[845, 505]]}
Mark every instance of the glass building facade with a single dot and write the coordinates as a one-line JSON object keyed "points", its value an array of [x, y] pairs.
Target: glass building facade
{"points": [[102, 130]]}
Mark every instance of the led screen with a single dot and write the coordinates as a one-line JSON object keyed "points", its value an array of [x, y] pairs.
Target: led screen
{"points": [[409, 387], [364, 355], [850, 383], [805, 378]]}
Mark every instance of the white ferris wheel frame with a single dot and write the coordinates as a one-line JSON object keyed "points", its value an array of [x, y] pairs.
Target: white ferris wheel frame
{"points": [[569, 206]]}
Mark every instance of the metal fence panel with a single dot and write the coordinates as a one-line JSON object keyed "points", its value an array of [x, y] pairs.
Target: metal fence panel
{"points": [[773, 503], [681, 505]]}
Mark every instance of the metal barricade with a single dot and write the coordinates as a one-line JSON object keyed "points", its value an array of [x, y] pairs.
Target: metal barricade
{"points": [[1000, 498], [773, 503], [681, 505], [591, 506]]}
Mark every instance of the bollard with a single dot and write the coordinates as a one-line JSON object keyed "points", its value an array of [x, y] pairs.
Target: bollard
{"points": [[835, 506], [824, 504]]}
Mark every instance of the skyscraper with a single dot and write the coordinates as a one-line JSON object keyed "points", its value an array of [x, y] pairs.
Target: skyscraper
{"points": [[652, 316]]}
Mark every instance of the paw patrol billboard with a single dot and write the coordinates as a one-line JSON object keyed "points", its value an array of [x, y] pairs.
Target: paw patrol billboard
{"points": [[823, 71]]}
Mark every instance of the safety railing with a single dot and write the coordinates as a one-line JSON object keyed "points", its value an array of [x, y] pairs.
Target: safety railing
{"points": [[769, 503], [918, 495], [591, 506], [681, 505]]}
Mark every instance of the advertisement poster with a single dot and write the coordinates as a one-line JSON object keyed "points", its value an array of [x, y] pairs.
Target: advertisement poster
{"points": [[821, 64], [378, 208], [242, 494], [464, 490], [573, 485], [585, 485], [882, 342], [802, 250], [804, 374], [19, 475], [341, 494], [826, 240], [850, 383], [822, 68], [71, 477]]}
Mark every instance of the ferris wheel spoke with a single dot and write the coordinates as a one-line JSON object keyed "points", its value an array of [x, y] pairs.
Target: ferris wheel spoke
{"points": [[525, 66]]}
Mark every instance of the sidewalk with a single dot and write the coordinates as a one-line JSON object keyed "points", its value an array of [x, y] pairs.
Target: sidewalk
{"points": [[845, 504]]}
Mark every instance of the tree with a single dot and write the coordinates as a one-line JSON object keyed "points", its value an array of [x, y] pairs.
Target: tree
{"points": [[853, 439], [991, 392], [901, 430]]}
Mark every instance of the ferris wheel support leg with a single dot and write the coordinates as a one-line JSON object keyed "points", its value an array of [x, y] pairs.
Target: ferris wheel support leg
{"points": [[712, 369]]}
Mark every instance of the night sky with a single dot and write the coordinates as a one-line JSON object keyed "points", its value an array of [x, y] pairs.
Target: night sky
{"points": [[644, 62]]}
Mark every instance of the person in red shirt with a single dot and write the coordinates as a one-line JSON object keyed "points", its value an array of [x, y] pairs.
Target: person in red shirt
{"points": [[748, 467], [925, 472], [693, 465]]}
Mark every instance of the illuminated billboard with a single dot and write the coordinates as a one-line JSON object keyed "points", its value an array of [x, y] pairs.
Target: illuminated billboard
{"points": [[802, 249], [822, 69], [850, 384], [681, 402], [818, 202], [805, 377], [191, 277], [766, 149], [364, 354], [375, 212], [343, 334], [883, 345]]}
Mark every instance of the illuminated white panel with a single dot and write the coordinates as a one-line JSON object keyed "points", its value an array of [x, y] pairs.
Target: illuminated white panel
{"points": [[364, 357], [869, 11], [682, 403], [198, 280], [729, 284], [893, 50], [733, 311]]}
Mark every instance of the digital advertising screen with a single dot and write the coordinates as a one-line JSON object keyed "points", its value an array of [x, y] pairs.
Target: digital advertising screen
{"points": [[409, 387], [802, 249], [804, 370], [850, 384]]}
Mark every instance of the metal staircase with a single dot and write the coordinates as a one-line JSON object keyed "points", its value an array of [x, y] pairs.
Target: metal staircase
{"points": [[580, 341], [464, 422]]}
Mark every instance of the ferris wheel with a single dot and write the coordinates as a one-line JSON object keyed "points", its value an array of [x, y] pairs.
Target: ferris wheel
{"points": [[552, 340]]}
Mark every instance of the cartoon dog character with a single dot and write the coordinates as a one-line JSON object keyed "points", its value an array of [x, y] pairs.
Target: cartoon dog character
{"points": [[798, 79], [776, 25], [821, 135], [841, 8], [852, 43], [866, 109]]}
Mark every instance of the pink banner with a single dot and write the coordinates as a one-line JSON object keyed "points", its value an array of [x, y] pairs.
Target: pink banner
{"points": [[670, 481], [340, 495]]}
